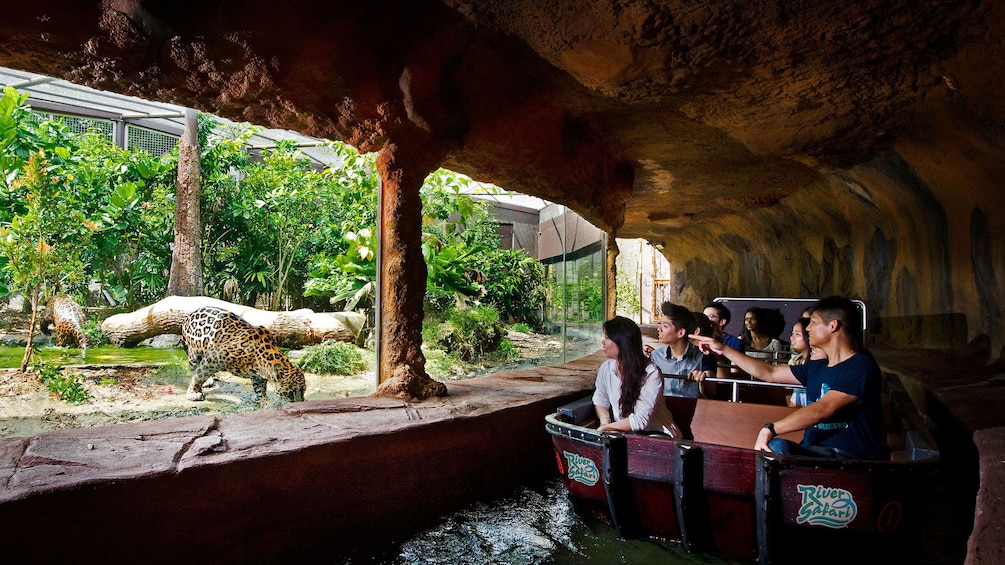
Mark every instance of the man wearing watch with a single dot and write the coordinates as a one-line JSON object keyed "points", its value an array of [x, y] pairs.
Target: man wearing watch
{"points": [[844, 417]]}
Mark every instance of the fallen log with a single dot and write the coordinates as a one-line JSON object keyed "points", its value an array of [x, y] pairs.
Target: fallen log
{"points": [[294, 328]]}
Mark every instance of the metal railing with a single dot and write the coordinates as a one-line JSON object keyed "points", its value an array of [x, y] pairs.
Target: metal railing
{"points": [[735, 384]]}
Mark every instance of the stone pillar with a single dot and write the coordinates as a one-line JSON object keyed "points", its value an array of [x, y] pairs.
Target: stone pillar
{"points": [[403, 166], [612, 276]]}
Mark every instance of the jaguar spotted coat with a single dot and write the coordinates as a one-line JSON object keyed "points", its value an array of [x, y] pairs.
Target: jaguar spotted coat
{"points": [[67, 320], [218, 340]]}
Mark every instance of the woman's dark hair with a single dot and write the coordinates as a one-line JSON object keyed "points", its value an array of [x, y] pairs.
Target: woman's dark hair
{"points": [[803, 323], [705, 326], [745, 336], [770, 322], [632, 361]]}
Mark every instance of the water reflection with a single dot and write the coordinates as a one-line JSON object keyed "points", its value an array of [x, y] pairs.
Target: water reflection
{"points": [[537, 525]]}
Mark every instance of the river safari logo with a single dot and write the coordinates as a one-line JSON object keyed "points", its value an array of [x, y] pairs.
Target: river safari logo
{"points": [[826, 506], [582, 469]]}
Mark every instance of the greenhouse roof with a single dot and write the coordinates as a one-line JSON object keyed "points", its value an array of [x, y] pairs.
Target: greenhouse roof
{"points": [[155, 126], [59, 97]]}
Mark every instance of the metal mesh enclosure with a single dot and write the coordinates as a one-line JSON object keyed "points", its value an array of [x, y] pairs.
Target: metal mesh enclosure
{"points": [[153, 142], [79, 125]]}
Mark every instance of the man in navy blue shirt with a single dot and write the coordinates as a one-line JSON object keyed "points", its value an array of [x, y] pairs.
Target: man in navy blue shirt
{"points": [[844, 418], [720, 315]]}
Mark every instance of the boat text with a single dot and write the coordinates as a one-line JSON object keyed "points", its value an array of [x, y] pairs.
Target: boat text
{"points": [[582, 469], [826, 506]]}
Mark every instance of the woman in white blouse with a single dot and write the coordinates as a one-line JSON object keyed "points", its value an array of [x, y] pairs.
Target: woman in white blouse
{"points": [[629, 395]]}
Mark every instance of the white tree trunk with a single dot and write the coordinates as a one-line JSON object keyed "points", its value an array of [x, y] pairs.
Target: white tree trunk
{"points": [[291, 329]]}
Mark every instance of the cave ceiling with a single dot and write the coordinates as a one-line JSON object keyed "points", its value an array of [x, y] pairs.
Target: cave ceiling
{"points": [[647, 117]]}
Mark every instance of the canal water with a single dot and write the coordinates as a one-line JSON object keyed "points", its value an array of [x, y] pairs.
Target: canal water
{"points": [[534, 525], [540, 525]]}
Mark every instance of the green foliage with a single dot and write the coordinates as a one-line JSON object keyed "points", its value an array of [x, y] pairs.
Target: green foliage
{"points": [[628, 302], [93, 333], [515, 286], [335, 358], [467, 333], [130, 194], [351, 277], [507, 350], [67, 388], [521, 327], [457, 230]]}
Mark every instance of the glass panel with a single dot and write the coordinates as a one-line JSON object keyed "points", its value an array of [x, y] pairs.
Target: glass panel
{"points": [[573, 252]]}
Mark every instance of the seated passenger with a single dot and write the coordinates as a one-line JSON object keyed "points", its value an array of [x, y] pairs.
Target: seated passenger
{"points": [[757, 335], [629, 395], [844, 418], [719, 366], [801, 353], [720, 315], [680, 357]]}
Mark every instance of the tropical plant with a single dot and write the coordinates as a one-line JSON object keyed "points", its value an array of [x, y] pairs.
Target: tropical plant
{"points": [[131, 194], [351, 277], [42, 241], [516, 286], [628, 301]]}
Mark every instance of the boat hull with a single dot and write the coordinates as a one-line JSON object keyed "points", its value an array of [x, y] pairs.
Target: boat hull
{"points": [[749, 505]]}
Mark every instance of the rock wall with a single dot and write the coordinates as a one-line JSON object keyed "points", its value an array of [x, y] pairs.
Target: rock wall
{"points": [[926, 257]]}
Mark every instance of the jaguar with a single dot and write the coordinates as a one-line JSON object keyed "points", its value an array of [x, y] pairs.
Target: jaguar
{"points": [[217, 340], [65, 318]]}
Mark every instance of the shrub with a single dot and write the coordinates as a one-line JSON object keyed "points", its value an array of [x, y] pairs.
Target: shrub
{"points": [[467, 333], [66, 387], [515, 285], [507, 350], [93, 333], [522, 328], [334, 358]]}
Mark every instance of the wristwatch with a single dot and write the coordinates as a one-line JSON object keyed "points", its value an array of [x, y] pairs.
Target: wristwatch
{"points": [[771, 428]]}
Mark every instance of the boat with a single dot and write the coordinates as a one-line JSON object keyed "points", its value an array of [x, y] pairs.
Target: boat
{"points": [[714, 493]]}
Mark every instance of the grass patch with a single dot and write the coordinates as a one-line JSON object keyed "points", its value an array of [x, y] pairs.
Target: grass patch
{"points": [[335, 358], [170, 373]]}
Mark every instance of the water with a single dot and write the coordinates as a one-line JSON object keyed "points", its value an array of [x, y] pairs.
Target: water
{"points": [[10, 356], [535, 525]]}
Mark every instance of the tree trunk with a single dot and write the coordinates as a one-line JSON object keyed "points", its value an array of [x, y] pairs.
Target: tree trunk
{"points": [[29, 347], [186, 256], [291, 329]]}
